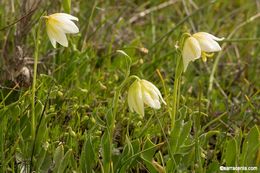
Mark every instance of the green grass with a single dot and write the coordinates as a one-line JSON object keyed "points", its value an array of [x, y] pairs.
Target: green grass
{"points": [[82, 120]]}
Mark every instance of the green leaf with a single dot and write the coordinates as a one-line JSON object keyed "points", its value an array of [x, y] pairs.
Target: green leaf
{"points": [[127, 153], [40, 159], [106, 150], [3, 129], [46, 164], [38, 108], [87, 158], [175, 135], [58, 156], [42, 129], [213, 167], [66, 5], [204, 138], [231, 152], [148, 155], [65, 161], [170, 166], [184, 133], [250, 147]]}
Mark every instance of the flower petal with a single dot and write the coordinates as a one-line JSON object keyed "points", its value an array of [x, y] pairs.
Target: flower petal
{"points": [[130, 100], [191, 51], [207, 43], [135, 100], [205, 34], [153, 103], [70, 27], [154, 89], [64, 15], [51, 37], [65, 24], [53, 42], [55, 33]]}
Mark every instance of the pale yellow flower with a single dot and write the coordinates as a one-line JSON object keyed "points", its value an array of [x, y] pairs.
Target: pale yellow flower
{"points": [[143, 92], [58, 25], [198, 45]]}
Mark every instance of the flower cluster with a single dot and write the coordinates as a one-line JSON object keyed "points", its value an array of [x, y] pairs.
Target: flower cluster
{"points": [[141, 92]]}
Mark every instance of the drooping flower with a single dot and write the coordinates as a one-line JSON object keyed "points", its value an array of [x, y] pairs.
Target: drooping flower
{"points": [[58, 25], [143, 92], [199, 45]]}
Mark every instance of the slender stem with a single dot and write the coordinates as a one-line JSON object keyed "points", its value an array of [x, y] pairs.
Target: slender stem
{"points": [[111, 122], [167, 142], [197, 128], [176, 90], [165, 92], [36, 57], [175, 104], [87, 27]]}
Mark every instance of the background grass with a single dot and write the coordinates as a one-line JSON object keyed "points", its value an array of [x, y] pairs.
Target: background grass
{"points": [[218, 118]]}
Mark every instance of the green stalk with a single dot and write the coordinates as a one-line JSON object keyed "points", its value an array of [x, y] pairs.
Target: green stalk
{"points": [[197, 128], [176, 90], [111, 121], [175, 104], [36, 57]]}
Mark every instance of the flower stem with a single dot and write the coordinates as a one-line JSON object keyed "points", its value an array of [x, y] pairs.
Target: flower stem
{"points": [[36, 57], [111, 120], [175, 102], [176, 91]]}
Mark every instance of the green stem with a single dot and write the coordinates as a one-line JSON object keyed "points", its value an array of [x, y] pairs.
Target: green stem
{"points": [[36, 57], [175, 104], [116, 99], [165, 93], [197, 128], [176, 90], [112, 119]]}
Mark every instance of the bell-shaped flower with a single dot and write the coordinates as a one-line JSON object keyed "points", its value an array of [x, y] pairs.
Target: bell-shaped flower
{"points": [[58, 25], [143, 92], [199, 45]]}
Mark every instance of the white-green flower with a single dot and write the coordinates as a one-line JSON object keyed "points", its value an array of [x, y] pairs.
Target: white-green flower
{"points": [[58, 25], [198, 45], [143, 92]]}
